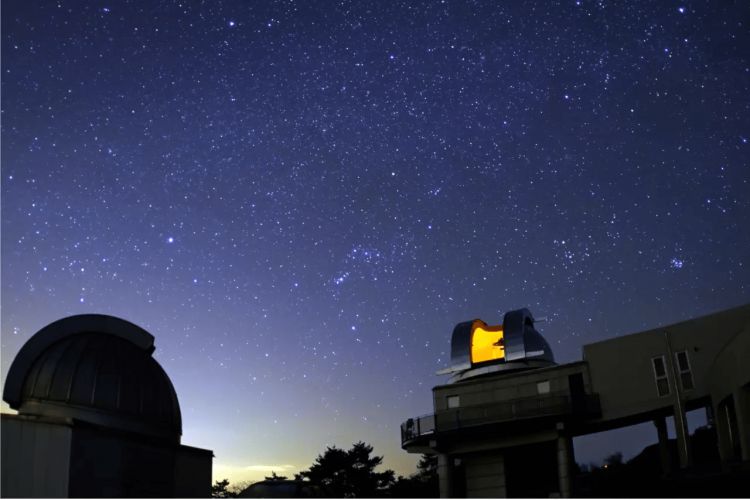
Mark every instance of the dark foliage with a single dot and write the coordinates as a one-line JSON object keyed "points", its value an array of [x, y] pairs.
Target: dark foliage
{"points": [[220, 489], [349, 474], [423, 484]]}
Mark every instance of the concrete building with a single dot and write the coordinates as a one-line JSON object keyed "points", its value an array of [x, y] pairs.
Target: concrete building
{"points": [[503, 423], [97, 417]]}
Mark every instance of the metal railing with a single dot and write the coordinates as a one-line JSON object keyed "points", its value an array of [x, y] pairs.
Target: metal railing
{"points": [[457, 418], [415, 427]]}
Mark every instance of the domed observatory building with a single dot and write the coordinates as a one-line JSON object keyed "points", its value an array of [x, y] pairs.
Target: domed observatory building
{"points": [[503, 422], [97, 417], [496, 419]]}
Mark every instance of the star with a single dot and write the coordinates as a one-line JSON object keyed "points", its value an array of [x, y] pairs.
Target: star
{"points": [[258, 185]]}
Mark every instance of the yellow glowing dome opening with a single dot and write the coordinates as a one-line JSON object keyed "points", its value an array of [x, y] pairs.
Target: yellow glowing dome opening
{"points": [[486, 342]]}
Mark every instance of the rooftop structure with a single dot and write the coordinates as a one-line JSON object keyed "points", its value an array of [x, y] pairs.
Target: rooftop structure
{"points": [[478, 348], [508, 409]]}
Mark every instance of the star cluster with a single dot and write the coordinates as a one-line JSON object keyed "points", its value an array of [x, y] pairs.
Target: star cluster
{"points": [[300, 199]]}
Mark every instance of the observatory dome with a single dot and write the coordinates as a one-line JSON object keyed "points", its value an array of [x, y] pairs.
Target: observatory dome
{"points": [[96, 369], [478, 348]]}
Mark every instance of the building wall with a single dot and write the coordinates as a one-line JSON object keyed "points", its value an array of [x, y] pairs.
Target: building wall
{"points": [[621, 369], [114, 464], [485, 475], [35, 458], [501, 388], [192, 473], [45, 457], [730, 368], [729, 379]]}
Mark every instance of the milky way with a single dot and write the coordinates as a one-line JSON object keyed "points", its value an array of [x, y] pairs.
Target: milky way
{"points": [[301, 199]]}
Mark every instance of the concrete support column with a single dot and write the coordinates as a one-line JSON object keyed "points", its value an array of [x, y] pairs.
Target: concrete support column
{"points": [[661, 431], [444, 475], [683, 436], [680, 419], [722, 433], [564, 462], [502, 490], [743, 426]]}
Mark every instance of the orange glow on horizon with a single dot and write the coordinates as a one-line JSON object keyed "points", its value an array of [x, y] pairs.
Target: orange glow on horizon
{"points": [[486, 342]]}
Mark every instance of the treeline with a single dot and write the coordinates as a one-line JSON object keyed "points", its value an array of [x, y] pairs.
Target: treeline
{"points": [[338, 473]]}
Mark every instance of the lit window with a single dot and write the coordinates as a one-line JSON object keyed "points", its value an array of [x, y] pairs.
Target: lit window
{"points": [[486, 342], [683, 367], [660, 374], [542, 387], [453, 402]]}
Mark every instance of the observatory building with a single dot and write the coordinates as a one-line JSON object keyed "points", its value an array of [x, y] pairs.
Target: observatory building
{"points": [[503, 423], [97, 417]]}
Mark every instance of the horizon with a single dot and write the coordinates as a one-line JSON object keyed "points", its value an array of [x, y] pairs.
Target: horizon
{"points": [[619, 441], [300, 200]]}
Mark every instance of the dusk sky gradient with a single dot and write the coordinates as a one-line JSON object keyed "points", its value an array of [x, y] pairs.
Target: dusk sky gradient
{"points": [[300, 199]]}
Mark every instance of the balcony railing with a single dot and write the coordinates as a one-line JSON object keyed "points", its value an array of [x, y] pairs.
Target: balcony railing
{"points": [[469, 416]]}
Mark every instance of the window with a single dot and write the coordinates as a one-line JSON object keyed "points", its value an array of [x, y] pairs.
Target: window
{"points": [[486, 342], [683, 368], [453, 402], [542, 387], [660, 374]]}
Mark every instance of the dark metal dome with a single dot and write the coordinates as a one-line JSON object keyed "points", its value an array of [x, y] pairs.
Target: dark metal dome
{"points": [[96, 369]]}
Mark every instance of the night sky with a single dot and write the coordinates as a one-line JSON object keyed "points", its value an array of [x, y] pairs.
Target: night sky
{"points": [[300, 199]]}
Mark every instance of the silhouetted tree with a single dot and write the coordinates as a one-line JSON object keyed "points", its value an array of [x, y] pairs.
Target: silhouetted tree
{"points": [[349, 474], [220, 489], [423, 484], [427, 467], [613, 460]]}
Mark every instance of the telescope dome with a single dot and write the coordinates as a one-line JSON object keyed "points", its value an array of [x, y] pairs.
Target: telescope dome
{"points": [[96, 369]]}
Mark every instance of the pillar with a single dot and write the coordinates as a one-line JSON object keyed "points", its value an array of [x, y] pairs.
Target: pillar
{"points": [[502, 489], [444, 475], [661, 431], [742, 412], [722, 432], [564, 458], [680, 419], [683, 436]]}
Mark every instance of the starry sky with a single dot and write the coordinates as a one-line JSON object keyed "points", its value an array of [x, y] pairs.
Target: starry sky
{"points": [[300, 199]]}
